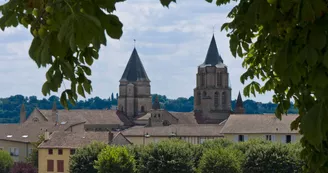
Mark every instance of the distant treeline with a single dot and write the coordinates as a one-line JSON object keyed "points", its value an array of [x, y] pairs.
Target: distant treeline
{"points": [[10, 106]]}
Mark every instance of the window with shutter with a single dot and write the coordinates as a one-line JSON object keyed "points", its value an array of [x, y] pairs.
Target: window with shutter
{"points": [[60, 165], [60, 151], [50, 165], [50, 151]]}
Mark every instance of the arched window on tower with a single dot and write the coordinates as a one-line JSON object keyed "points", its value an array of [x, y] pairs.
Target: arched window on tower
{"points": [[219, 79], [224, 100], [199, 97], [216, 99], [202, 79]]}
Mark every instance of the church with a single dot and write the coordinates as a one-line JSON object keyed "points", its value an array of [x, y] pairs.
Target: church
{"points": [[212, 94]]}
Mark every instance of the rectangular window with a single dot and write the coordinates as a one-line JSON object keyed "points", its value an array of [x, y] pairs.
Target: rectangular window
{"points": [[72, 151], [50, 151], [268, 137], [288, 138], [202, 140], [241, 138], [50, 165], [60, 165], [60, 151], [14, 151]]}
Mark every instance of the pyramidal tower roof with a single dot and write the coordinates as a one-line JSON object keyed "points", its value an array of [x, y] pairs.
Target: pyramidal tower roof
{"points": [[239, 102], [134, 70], [213, 58]]}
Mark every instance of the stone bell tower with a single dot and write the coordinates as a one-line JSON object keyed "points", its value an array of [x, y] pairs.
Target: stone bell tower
{"points": [[134, 95], [212, 95]]}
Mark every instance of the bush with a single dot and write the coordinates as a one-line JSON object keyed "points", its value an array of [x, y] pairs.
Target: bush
{"points": [[221, 160], [272, 158], [6, 162], [84, 158], [174, 156], [115, 159], [21, 167], [245, 146], [217, 143]]}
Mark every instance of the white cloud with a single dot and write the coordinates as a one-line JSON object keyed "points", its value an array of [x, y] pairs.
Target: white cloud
{"points": [[170, 42]]}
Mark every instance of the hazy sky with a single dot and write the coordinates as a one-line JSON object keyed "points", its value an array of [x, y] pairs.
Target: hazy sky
{"points": [[171, 44]]}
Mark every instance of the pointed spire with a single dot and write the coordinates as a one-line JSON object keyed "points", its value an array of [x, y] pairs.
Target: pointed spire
{"points": [[239, 109], [134, 70], [213, 57], [239, 102], [22, 114], [156, 104]]}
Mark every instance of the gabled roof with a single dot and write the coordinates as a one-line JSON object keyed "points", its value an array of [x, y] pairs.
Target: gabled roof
{"points": [[258, 124], [213, 58], [61, 139], [134, 70]]}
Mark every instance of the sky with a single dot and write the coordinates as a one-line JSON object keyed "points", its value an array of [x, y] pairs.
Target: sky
{"points": [[171, 43]]}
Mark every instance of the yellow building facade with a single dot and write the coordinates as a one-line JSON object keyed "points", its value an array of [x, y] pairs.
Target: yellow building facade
{"points": [[283, 138], [17, 150], [54, 160]]}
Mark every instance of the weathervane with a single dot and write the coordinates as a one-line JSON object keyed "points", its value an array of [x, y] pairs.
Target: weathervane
{"points": [[134, 40], [213, 28]]}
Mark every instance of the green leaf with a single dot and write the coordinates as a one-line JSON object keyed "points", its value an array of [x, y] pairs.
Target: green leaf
{"points": [[317, 38], [86, 69], [87, 86], [311, 125], [80, 90], [57, 48], [240, 51], [68, 69], [307, 11], [166, 3], [245, 46], [63, 100], [325, 59], [34, 50], [45, 53], [49, 73], [233, 45], [46, 88], [113, 26]]}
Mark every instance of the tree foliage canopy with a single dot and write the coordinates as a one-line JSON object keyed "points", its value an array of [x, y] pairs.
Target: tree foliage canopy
{"points": [[115, 159], [84, 158], [6, 162]]}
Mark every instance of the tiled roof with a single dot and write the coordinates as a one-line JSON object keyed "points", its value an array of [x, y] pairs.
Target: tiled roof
{"points": [[247, 124], [89, 116], [74, 140], [120, 139], [185, 117], [134, 70], [179, 129], [213, 58], [28, 132]]}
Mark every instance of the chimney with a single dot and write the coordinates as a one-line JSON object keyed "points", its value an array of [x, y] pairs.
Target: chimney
{"points": [[22, 114], [110, 137], [54, 113], [46, 135]]}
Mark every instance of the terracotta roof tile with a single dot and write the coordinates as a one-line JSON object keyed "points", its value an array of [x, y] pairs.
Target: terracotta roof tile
{"points": [[74, 140], [245, 123]]}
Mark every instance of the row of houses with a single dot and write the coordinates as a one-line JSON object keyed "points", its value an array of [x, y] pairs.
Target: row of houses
{"points": [[67, 130]]}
